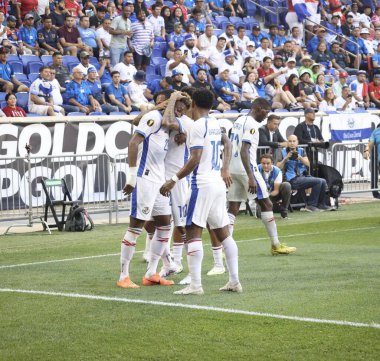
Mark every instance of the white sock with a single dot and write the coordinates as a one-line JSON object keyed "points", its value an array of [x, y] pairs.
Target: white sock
{"points": [[157, 248], [217, 253], [127, 250], [270, 225], [148, 239], [232, 222], [194, 260], [177, 250], [231, 251]]}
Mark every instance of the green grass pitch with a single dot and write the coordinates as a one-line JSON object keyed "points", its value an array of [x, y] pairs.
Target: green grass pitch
{"points": [[334, 275]]}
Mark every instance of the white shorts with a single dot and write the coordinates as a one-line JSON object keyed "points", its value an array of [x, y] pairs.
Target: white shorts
{"points": [[207, 205], [43, 109], [147, 202], [178, 201], [238, 192]]}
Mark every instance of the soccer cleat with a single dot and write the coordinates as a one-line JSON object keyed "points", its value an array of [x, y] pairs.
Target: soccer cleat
{"points": [[282, 249], [126, 283], [156, 280], [326, 208], [190, 290], [186, 280], [173, 269], [312, 209], [232, 287], [216, 270]]}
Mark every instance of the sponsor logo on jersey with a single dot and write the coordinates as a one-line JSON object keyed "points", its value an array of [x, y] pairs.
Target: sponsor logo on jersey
{"points": [[150, 122], [252, 131]]}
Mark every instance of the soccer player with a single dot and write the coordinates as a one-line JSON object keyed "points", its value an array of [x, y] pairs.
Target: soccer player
{"points": [[144, 180], [246, 176], [208, 193]]}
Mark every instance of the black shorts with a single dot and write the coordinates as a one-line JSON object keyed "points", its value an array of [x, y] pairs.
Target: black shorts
{"points": [[140, 60], [15, 87]]}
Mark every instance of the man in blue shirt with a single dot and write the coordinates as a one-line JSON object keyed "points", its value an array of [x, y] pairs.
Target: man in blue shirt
{"points": [[257, 35], [28, 36], [89, 36], [8, 82], [117, 94], [96, 91], [354, 44], [79, 94], [315, 40], [157, 85], [176, 39], [200, 63], [224, 88]]}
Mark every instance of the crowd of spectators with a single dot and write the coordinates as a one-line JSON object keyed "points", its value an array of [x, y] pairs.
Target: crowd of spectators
{"points": [[64, 56]]}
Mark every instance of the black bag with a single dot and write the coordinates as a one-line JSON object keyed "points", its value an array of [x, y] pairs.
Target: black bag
{"points": [[78, 220]]}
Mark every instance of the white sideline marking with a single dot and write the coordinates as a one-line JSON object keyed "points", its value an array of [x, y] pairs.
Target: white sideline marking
{"points": [[193, 307], [206, 245]]}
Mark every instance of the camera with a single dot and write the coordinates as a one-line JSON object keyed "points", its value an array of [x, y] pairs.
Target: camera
{"points": [[232, 43], [294, 155]]}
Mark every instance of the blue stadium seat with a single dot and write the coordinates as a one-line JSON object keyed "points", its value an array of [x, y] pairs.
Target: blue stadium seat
{"points": [[118, 113], [33, 76], [21, 77], [217, 32], [94, 60], [28, 58], [46, 59], [32, 115], [158, 61], [12, 57], [34, 67], [235, 19], [350, 79], [3, 104], [76, 114], [251, 8], [163, 69], [250, 22], [150, 70], [134, 113], [97, 113], [220, 18], [71, 66], [17, 66], [281, 111], [154, 77], [262, 11], [22, 100], [271, 18], [2, 96], [66, 59]]}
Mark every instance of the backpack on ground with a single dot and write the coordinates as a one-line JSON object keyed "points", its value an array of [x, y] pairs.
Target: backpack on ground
{"points": [[78, 220]]}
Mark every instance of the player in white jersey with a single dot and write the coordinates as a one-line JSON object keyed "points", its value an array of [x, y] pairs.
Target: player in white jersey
{"points": [[146, 155], [245, 174], [208, 193]]}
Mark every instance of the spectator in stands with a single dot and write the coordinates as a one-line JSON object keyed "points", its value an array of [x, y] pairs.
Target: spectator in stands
{"points": [[89, 37], [117, 94], [257, 35], [334, 25], [74, 8], [40, 95], [88, 8], [57, 91], [229, 35], [62, 73], [157, 85], [225, 89], [287, 51], [217, 7], [290, 67], [376, 17], [307, 90], [279, 191], [201, 82], [97, 19], [140, 5], [48, 37], [348, 26], [276, 41], [199, 18], [306, 131], [84, 64], [28, 36], [200, 63], [207, 39], [13, 35], [3, 30], [338, 86], [296, 36], [322, 56], [250, 64], [340, 59], [96, 91], [328, 102], [126, 69], [179, 62], [104, 36], [136, 92], [8, 81], [270, 136], [177, 82], [320, 86], [120, 29], [216, 56], [316, 39], [167, 17], [189, 49], [356, 44], [157, 22], [345, 102], [295, 163], [250, 51], [306, 63], [23, 7], [236, 75], [364, 34], [249, 89], [236, 7], [176, 40], [292, 88], [69, 37], [278, 66], [113, 12], [374, 90], [11, 110], [242, 40], [79, 94], [58, 14], [376, 60], [263, 51], [359, 89], [141, 41]]}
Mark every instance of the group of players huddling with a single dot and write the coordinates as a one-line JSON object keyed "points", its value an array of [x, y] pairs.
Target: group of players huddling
{"points": [[180, 166]]}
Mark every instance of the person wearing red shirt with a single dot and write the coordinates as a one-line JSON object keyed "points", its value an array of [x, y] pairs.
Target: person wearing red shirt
{"points": [[374, 90], [4, 6], [180, 4], [74, 8], [25, 6], [11, 110]]}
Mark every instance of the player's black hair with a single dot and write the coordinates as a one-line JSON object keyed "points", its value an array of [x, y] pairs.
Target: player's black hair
{"points": [[166, 92], [189, 90], [203, 98], [260, 103]]}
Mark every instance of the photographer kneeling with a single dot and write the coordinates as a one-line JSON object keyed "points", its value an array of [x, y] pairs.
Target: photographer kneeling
{"points": [[296, 164]]}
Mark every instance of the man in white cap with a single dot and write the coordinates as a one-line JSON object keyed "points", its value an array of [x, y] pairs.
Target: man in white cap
{"points": [[200, 63], [189, 49], [364, 34], [224, 88], [291, 67], [250, 50], [136, 92], [236, 75]]}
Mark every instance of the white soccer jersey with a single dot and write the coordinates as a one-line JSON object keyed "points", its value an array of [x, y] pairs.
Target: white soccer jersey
{"points": [[245, 129], [152, 153], [177, 155], [126, 71], [206, 134]]}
